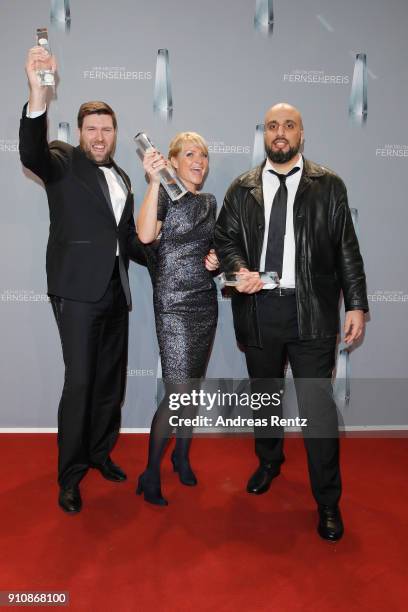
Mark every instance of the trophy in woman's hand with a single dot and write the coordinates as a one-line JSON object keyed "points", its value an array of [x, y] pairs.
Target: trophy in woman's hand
{"points": [[168, 176]]}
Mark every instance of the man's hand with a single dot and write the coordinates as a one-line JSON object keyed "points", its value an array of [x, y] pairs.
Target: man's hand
{"points": [[249, 282], [353, 325], [211, 261], [38, 94]]}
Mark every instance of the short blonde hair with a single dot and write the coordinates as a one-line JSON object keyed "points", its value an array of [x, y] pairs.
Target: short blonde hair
{"points": [[176, 144]]}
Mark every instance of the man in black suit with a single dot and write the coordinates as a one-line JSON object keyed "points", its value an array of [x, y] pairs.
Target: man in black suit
{"points": [[291, 216], [92, 235]]}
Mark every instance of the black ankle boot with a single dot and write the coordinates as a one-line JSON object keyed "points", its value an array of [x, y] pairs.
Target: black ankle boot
{"points": [[151, 490], [183, 468]]}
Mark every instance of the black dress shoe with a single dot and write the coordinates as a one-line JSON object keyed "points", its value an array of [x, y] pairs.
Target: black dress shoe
{"points": [[70, 500], [330, 525], [151, 490], [261, 479], [183, 468], [111, 471]]}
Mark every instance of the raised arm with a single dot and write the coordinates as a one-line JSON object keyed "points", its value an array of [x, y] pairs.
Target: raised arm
{"points": [[35, 153], [148, 222]]}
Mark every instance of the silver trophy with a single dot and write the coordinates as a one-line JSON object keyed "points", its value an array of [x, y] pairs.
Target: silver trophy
{"points": [[64, 131], [60, 15], [258, 154], [168, 176], [342, 382], [231, 279], [163, 99], [44, 68], [358, 94], [263, 20]]}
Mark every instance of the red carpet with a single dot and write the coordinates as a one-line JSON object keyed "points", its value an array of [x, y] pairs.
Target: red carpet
{"points": [[214, 547]]}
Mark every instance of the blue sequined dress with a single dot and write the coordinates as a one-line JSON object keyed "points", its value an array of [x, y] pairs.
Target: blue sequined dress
{"points": [[184, 293]]}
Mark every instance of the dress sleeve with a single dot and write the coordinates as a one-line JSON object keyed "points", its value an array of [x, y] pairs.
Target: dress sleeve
{"points": [[162, 204]]}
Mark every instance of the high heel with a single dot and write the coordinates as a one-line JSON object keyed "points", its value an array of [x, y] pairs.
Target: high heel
{"points": [[151, 490], [183, 468]]}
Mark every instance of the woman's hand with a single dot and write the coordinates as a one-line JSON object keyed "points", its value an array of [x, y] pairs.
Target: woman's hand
{"points": [[211, 261], [153, 162]]}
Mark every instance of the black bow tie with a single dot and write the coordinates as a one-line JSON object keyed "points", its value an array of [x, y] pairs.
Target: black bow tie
{"points": [[109, 164]]}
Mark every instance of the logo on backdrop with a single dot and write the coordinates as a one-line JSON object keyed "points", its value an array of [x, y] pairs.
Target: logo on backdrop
{"points": [[60, 15], [258, 152], [392, 150], [381, 295], [358, 94], [116, 73], [162, 97], [135, 372], [263, 19], [64, 132], [315, 77], [219, 146], [23, 295], [8, 145]]}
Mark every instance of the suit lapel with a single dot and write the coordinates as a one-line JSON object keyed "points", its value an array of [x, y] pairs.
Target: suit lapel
{"points": [[86, 173], [127, 187], [103, 183]]}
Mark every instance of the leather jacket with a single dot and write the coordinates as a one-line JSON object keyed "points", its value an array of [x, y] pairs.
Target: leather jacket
{"points": [[327, 254]]}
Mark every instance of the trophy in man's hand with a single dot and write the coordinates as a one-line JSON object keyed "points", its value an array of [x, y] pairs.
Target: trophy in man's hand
{"points": [[231, 279], [44, 67], [168, 176]]}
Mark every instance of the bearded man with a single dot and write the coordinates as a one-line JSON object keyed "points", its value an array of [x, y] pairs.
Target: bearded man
{"points": [[291, 216], [91, 237]]}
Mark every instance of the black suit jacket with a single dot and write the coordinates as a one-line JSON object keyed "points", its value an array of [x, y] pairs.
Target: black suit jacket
{"points": [[83, 235]]}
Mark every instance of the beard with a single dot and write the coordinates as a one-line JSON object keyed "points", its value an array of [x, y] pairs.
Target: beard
{"points": [[281, 157], [87, 149]]}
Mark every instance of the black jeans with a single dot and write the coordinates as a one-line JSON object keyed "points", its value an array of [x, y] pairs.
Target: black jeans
{"points": [[309, 359], [94, 340]]}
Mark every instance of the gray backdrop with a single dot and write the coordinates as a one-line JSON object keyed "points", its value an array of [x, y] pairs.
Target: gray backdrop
{"points": [[225, 73]]}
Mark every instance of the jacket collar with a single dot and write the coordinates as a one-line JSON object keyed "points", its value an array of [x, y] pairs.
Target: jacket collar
{"points": [[253, 179]]}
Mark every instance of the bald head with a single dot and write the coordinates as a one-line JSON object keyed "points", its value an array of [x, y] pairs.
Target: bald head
{"points": [[283, 133], [283, 109]]}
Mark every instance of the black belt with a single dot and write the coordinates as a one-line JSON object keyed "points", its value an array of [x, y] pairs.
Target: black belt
{"points": [[278, 292]]}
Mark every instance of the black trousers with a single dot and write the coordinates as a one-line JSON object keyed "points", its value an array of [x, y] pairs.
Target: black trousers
{"points": [[94, 340], [312, 363]]}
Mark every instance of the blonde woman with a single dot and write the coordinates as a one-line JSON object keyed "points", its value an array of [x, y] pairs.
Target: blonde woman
{"points": [[184, 294]]}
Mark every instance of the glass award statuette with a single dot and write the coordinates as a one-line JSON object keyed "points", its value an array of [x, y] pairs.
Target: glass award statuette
{"points": [[231, 279], [60, 15], [64, 131], [258, 154], [342, 382], [44, 68], [358, 95], [168, 177], [263, 20], [163, 99]]}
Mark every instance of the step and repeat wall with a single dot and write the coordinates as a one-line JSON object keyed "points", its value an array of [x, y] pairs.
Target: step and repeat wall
{"points": [[212, 67]]}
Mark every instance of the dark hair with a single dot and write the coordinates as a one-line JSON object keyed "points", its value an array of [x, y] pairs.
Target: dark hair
{"points": [[95, 108]]}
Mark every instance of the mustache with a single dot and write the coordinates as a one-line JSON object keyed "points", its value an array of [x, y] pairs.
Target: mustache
{"points": [[280, 140]]}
